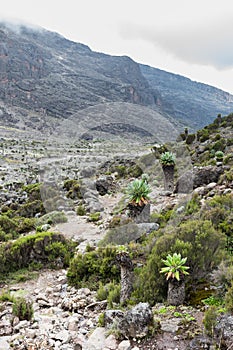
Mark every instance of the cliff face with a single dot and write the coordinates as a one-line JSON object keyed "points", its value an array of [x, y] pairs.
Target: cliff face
{"points": [[193, 104], [45, 78], [44, 72]]}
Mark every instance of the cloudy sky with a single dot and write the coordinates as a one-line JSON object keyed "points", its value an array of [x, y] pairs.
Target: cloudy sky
{"points": [[193, 38]]}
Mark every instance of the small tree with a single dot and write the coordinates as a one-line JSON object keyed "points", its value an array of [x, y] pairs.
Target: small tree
{"points": [[168, 161], [138, 196], [175, 271], [124, 260]]}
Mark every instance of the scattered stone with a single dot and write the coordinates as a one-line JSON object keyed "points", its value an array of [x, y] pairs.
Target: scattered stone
{"points": [[124, 345]]}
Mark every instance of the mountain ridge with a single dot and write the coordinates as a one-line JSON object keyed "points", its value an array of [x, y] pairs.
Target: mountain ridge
{"points": [[44, 75]]}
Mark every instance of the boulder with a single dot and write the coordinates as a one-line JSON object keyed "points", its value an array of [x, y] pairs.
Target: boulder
{"points": [[201, 342], [133, 323], [224, 330], [105, 184], [198, 177]]}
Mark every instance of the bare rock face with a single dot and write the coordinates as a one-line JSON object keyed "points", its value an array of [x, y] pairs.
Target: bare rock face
{"points": [[133, 323], [224, 330], [199, 176]]}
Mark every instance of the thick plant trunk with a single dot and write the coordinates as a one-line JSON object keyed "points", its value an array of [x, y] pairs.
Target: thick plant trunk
{"points": [[139, 214], [176, 292], [168, 171], [126, 265], [126, 284]]}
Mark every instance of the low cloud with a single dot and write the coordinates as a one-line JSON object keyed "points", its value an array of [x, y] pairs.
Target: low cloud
{"points": [[16, 25], [208, 43]]}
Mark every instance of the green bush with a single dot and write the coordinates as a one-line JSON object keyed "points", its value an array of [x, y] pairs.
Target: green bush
{"points": [[229, 298], [7, 225], [219, 155], [33, 191], [52, 218], [193, 206], [93, 267], [203, 135], [210, 320], [94, 217], [23, 309], [12, 227], [219, 145], [30, 209], [109, 292], [198, 240], [81, 211], [73, 188], [35, 248]]}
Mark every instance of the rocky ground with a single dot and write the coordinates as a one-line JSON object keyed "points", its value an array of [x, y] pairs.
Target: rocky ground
{"points": [[66, 318]]}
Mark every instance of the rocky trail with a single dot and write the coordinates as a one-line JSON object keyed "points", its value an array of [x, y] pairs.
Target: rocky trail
{"points": [[63, 317], [67, 319]]}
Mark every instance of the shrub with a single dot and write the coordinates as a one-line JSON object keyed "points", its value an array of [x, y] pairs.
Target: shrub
{"points": [[30, 209], [33, 191], [219, 145], [35, 248], [210, 320], [109, 292], [52, 218], [93, 267], [193, 205], [23, 309], [229, 298], [81, 211], [7, 225], [190, 138], [73, 189], [222, 277], [203, 135], [196, 239], [219, 155], [94, 217], [228, 159]]}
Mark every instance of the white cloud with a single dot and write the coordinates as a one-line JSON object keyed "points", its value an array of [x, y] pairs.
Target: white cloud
{"points": [[176, 35], [206, 43]]}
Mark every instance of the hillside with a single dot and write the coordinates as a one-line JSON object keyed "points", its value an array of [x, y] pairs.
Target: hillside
{"points": [[46, 80], [66, 230], [192, 103]]}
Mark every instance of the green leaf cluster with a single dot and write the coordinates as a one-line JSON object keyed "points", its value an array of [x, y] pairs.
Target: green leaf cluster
{"points": [[138, 192], [174, 266], [167, 158]]}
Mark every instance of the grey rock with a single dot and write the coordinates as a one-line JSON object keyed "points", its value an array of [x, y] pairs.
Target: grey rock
{"points": [[4, 345], [105, 184], [112, 317], [136, 321], [224, 329], [201, 342], [96, 340], [198, 177], [147, 227], [124, 345], [172, 325]]}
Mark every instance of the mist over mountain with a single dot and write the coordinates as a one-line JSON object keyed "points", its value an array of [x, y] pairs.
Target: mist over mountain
{"points": [[46, 79]]}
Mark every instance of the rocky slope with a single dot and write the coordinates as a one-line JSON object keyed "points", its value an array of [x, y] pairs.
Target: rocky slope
{"points": [[46, 79], [66, 318], [193, 104]]}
